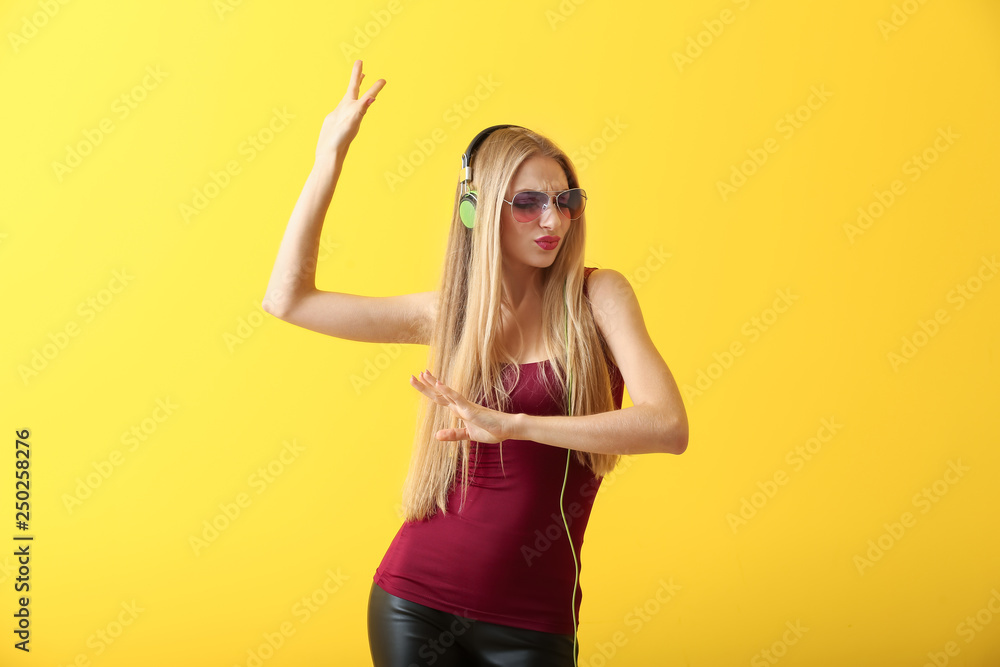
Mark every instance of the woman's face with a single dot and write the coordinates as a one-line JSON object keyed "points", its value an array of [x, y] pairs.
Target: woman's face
{"points": [[518, 239]]}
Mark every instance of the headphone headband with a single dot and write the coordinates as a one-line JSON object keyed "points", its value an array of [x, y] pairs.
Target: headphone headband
{"points": [[466, 174]]}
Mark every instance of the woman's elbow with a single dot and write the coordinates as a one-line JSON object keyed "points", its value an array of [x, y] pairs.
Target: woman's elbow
{"points": [[676, 437]]}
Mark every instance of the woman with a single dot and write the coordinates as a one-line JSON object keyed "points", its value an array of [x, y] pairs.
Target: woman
{"points": [[519, 333]]}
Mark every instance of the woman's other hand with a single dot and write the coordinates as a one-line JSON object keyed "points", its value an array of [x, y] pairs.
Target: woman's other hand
{"points": [[481, 424], [342, 124]]}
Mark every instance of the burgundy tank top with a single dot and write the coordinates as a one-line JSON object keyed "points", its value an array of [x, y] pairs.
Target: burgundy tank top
{"points": [[504, 559]]}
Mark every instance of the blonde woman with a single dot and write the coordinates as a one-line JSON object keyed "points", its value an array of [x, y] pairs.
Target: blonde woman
{"points": [[529, 353]]}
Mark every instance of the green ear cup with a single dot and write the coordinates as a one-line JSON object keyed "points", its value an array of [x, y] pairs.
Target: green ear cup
{"points": [[467, 209]]}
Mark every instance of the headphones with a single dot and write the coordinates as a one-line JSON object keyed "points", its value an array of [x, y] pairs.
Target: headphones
{"points": [[467, 205], [467, 213]]}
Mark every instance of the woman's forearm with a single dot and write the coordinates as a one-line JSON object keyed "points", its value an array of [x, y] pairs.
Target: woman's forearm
{"points": [[640, 429], [294, 272]]}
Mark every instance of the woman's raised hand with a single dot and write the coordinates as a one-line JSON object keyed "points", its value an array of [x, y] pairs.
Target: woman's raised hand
{"points": [[341, 125]]}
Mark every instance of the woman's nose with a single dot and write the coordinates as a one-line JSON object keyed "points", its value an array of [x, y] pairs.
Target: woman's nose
{"points": [[551, 213]]}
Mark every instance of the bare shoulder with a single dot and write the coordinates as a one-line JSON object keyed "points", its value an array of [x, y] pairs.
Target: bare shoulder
{"points": [[616, 312], [646, 375], [609, 292]]}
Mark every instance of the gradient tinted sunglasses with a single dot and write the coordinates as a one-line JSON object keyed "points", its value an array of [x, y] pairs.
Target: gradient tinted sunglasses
{"points": [[528, 206]]}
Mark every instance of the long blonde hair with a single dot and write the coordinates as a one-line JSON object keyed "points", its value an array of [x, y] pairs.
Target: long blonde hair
{"points": [[466, 348]]}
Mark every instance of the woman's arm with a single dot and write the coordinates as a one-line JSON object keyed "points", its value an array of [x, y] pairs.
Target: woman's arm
{"points": [[294, 272], [640, 429], [291, 293], [657, 422]]}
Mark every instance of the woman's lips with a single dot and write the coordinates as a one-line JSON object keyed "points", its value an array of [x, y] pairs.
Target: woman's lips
{"points": [[547, 242]]}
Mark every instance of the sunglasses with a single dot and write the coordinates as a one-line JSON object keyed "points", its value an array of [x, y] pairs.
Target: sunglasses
{"points": [[529, 205]]}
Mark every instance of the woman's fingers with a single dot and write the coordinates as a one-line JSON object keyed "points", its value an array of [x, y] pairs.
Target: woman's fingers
{"points": [[355, 84], [453, 434], [443, 390], [446, 392], [429, 389], [354, 87], [430, 378], [421, 386], [374, 90]]}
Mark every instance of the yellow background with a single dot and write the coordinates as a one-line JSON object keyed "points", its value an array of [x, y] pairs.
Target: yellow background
{"points": [[571, 71]]}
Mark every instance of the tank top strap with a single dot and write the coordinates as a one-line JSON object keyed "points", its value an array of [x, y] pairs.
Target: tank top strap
{"points": [[587, 270]]}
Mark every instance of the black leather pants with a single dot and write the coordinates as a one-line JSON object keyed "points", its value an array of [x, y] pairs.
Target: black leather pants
{"points": [[406, 634]]}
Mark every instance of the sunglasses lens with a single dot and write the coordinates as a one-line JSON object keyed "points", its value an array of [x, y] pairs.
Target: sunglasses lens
{"points": [[572, 202], [527, 206]]}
